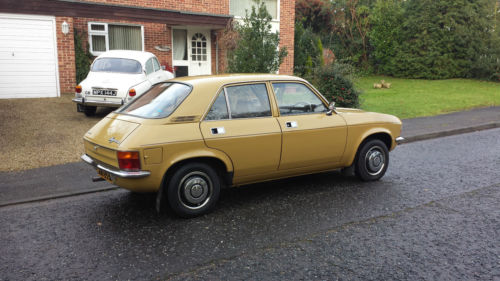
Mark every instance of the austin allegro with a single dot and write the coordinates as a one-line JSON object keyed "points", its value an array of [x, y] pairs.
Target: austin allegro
{"points": [[188, 137]]}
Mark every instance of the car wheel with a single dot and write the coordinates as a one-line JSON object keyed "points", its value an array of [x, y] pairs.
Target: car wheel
{"points": [[372, 160], [89, 110], [193, 190]]}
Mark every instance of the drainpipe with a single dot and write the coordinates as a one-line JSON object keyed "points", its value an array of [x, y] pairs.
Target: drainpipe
{"points": [[216, 53]]}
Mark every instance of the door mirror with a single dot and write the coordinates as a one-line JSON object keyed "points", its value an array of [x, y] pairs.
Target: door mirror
{"points": [[331, 108], [163, 67]]}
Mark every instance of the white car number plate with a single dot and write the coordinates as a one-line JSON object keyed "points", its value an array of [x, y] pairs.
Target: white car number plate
{"points": [[104, 92]]}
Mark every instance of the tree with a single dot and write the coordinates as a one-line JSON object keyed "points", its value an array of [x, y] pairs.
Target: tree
{"points": [[349, 31], [386, 18], [308, 51], [443, 39], [257, 49], [314, 14]]}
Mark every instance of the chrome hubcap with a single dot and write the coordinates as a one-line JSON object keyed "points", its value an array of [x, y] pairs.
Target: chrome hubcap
{"points": [[375, 160], [195, 190]]}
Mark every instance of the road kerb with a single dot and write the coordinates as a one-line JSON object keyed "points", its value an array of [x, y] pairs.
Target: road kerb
{"points": [[446, 133], [57, 196]]}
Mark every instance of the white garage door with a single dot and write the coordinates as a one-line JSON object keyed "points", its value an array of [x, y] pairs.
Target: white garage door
{"points": [[28, 57]]}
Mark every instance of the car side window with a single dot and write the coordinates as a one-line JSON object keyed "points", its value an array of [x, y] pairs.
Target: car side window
{"points": [[156, 64], [149, 66], [297, 98], [219, 109], [246, 101]]}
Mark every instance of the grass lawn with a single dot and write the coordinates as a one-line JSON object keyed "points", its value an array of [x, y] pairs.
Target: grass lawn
{"points": [[409, 98]]}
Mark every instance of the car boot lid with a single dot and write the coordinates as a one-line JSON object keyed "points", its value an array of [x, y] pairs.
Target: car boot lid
{"points": [[110, 132]]}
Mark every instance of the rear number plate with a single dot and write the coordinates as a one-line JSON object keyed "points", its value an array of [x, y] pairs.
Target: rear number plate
{"points": [[104, 92], [105, 175]]}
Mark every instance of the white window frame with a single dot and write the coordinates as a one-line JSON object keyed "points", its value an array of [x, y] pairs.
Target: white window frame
{"points": [[105, 34], [278, 9]]}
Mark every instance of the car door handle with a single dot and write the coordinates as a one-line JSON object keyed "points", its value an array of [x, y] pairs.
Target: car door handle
{"points": [[291, 124], [218, 131]]}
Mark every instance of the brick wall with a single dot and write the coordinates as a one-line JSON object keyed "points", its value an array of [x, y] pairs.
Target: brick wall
{"points": [[222, 54], [287, 25], [157, 34], [200, 6], [66, 56]]}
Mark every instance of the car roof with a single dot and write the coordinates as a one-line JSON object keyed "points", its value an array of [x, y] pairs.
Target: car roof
{"points": [[139, 56], [234, 78]]}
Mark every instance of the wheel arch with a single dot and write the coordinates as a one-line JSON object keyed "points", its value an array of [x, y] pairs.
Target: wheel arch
{"points": [[217, 159], [225, 171], [376, 133]]}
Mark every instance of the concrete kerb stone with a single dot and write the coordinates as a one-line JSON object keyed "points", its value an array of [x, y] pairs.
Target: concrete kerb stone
{"points": [[446, 133]]}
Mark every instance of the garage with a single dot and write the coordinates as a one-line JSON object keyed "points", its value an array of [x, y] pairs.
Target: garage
{"points": [[28, 57]]}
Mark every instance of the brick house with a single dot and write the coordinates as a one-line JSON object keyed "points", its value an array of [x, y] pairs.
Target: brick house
{"points": [[37, 37]]}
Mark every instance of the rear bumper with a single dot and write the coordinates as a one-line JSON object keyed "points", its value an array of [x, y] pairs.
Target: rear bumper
{"points": [[82, 101], [115, 172]]}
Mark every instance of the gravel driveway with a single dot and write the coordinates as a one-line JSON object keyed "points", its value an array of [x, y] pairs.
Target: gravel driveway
{"points": [[42, 132]]}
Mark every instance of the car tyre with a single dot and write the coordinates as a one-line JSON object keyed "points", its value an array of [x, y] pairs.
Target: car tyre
{"points": [[372, 160], [193, 190], [89, 110]]}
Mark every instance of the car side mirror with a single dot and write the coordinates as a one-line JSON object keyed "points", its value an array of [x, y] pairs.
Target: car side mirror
{"points": [[331, 108], [163, 67]]}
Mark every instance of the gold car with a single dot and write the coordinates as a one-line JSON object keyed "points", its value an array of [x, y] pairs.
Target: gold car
{"points": [[190, 136]]}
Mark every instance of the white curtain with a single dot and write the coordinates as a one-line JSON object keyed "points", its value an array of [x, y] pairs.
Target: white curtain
{"points": [[179, 44], [238, 7]]}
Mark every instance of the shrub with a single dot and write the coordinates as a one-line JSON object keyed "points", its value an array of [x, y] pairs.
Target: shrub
{"points": [[335, 83], [83, 58]]}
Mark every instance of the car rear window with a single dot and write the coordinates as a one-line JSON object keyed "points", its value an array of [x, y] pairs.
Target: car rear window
{"points": [[117, 65], [159, 102]]}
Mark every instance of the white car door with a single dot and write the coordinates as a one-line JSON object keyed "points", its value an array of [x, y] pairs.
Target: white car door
{"points": [[152, 74], [157, 74]]}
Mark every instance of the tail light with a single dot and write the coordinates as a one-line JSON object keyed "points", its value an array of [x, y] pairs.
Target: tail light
{"points": [[131, 92], [78, 89], [129, 160]]}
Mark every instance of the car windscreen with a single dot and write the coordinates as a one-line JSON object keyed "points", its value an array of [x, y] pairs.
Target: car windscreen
{"points": [[117, 65], [159, 102]]}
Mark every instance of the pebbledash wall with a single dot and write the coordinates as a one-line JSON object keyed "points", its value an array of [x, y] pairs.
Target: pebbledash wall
{"points": [[160, 34]]}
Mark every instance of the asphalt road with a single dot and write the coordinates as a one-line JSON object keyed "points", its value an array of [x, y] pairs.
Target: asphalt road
{"points": [[434, 216]]}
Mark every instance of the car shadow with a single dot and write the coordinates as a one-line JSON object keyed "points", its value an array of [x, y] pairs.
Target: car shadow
{"points": [[243, 198]]}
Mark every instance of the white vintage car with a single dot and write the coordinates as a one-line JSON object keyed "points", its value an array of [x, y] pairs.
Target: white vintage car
{"points": [[117, 77]]}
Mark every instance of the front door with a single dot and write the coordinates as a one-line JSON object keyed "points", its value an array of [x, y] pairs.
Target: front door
{"points": [[199, 52], [310, 137]]}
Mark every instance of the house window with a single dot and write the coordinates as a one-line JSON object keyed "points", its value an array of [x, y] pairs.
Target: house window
{"points": [[104, 37], [238, 8], [179, 44]]}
